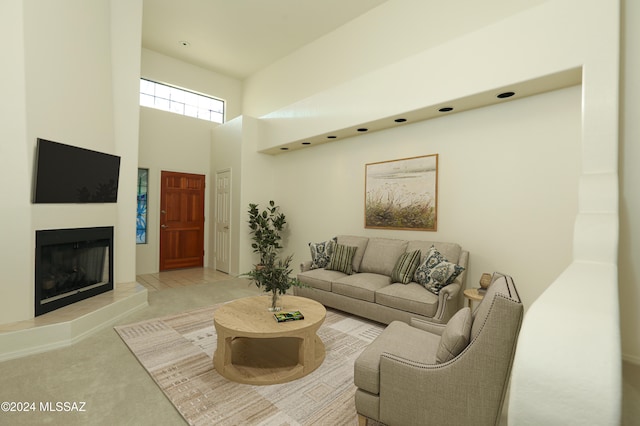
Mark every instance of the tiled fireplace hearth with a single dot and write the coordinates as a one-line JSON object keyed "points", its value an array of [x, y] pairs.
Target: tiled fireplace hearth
{"points": [[72, 265], [76, 292]]}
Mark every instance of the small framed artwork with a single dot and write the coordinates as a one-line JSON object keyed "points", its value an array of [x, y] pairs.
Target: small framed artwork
{"points": [[402, 194], [141, 217]]}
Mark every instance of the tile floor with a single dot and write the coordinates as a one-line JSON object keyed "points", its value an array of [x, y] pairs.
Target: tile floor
{"points": [[180, 278]]}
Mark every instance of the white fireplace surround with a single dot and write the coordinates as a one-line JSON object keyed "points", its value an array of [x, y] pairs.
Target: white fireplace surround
{"points": [[70, 324]]}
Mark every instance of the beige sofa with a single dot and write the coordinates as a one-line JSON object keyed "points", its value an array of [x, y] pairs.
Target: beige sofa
{"points": [[369, 290]]}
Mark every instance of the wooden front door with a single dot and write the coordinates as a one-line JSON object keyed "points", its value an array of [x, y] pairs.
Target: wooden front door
{"points": [[181, 220]]}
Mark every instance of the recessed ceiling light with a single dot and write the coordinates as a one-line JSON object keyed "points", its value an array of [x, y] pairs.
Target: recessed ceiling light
{"points": [[446, 109], [363, 129], [400, 120], [184, 43], [506, 95]]}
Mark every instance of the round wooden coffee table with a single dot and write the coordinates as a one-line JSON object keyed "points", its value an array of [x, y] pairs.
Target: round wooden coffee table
{"points": [[254, 348]]}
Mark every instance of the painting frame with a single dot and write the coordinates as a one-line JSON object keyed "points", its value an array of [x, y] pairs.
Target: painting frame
{"points": [[402, 194]]}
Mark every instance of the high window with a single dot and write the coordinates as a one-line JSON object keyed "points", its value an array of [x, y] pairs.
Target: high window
{"points": [[179, 101]]}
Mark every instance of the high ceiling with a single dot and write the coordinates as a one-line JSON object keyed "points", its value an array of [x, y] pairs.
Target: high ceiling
{"points": [[240, 37]]}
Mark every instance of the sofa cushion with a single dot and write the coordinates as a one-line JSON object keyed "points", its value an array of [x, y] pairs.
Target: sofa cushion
{"points": [[342, 259], [361, 286], [410, 297], [455, 336], [381, 255], [320, 278], [405, 267], [450, 251], [355, 241], [321, 253], [393, 340]]}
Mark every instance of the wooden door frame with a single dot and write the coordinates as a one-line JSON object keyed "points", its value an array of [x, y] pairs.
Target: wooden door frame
{"points": [[215, 219]]}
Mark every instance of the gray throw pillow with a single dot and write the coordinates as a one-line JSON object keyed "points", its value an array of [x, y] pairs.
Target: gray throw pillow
{"points": [[455, 336]]}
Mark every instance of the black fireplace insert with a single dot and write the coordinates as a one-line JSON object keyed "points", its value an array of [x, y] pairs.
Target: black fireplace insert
{"points": [[72, 265]]}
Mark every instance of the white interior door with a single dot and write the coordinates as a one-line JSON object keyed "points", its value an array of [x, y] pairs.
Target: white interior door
{"points": [[223, 222]]}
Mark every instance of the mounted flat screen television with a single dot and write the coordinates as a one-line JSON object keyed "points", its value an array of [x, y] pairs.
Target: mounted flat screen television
{"points": [[68, 174]]}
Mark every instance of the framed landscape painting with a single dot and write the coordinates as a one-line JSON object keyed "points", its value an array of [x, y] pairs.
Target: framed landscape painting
{"points": [[402, 194]]}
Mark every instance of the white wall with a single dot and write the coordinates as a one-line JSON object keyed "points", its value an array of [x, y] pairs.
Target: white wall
{"points": [[177, 143], [125, 64], [508, 184], [62, 88], [552, 37], [234, 148], [394, 30], [226, 155], [17, 261], [629, 260]]}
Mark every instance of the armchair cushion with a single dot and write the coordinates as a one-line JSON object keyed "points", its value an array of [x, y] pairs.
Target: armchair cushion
{"points": [[455, 336], [393, 340], [321, 253]]}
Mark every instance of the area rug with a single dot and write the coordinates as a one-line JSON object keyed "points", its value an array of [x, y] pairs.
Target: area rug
{"points": [[177, 352]]}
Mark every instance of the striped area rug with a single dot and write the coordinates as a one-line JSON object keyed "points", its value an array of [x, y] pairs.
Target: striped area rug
{"points": [[177, 352]]}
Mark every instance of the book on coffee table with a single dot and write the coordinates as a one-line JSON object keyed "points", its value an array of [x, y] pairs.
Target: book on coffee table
{"points": [[288, 316]]}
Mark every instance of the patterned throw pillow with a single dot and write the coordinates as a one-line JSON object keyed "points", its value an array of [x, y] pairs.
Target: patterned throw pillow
{"points": [[405, 267], [342, 258], [321, 253], [434, 257], [442, 275], [432, 275]]}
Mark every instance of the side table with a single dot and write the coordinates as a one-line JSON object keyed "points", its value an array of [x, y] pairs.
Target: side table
{"points": [[473, 294]]}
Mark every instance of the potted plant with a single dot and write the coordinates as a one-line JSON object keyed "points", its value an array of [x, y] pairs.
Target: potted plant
{"points": [[274, 278], [266, 226], [271, 274]]}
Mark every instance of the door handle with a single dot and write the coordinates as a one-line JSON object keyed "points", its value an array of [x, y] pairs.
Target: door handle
{"points": [[163, 211], [163, 226]]}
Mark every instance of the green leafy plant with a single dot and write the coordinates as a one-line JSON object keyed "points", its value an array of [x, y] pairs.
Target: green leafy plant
{"points": [[271, 274], [275, 278], [266, 226]]}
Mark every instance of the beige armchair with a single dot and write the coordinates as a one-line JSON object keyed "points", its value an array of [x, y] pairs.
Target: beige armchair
{"points": [[453, 374]]}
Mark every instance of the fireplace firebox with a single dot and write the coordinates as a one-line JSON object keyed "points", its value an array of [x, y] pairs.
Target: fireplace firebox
{"points": [[72, 265]]}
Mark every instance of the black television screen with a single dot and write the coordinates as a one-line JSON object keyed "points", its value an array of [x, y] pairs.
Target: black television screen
{"points": [[68, 174]]}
